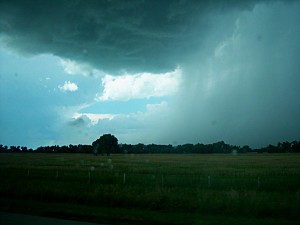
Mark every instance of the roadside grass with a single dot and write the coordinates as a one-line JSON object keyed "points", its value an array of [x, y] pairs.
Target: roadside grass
{"points": [[154, 188]]}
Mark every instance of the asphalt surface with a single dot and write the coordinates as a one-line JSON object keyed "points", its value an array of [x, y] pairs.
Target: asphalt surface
{"points": [[22, 219]]}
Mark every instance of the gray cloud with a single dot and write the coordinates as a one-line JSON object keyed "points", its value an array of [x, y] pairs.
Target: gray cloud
{"points": [[79, 122], [244, 90], [113, 35]]}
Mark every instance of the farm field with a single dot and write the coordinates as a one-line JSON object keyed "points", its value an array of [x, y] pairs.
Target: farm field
{"points": [[154, 188]]}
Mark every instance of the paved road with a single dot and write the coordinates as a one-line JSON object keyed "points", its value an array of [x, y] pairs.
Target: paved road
{"points": [[22, 219]]}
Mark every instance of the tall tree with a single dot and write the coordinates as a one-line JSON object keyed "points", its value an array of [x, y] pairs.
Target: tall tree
{"points": [[106, 144]]}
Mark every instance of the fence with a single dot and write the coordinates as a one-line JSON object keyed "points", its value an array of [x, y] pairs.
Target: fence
{"points": [[162, 180]]}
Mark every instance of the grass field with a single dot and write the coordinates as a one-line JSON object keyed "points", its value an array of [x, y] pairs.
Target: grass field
{"points": [[154, 188]]}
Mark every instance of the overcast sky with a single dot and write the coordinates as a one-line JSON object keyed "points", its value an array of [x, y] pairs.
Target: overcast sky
{"points": [[165, 72]]}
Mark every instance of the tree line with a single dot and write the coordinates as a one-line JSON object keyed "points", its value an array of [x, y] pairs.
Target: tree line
{"points": [[108, 144]]}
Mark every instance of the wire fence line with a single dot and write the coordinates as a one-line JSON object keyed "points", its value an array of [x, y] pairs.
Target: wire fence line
{"points": [[164, 180]]}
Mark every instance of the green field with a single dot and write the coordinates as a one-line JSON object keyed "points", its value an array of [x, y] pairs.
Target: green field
{"points": [[154, 188]]}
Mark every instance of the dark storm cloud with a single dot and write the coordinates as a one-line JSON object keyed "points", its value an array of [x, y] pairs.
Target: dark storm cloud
{"points": [[149, 35], [239, 59]]}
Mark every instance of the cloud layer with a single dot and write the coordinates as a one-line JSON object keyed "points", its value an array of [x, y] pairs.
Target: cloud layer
{"points": [[244, 89], [74, 68], [238, 60], [138, 86], [68, 86], [136, 36]]}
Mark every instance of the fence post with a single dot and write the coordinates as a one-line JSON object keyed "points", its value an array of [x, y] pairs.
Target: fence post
{"points": [[124, 178]]}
